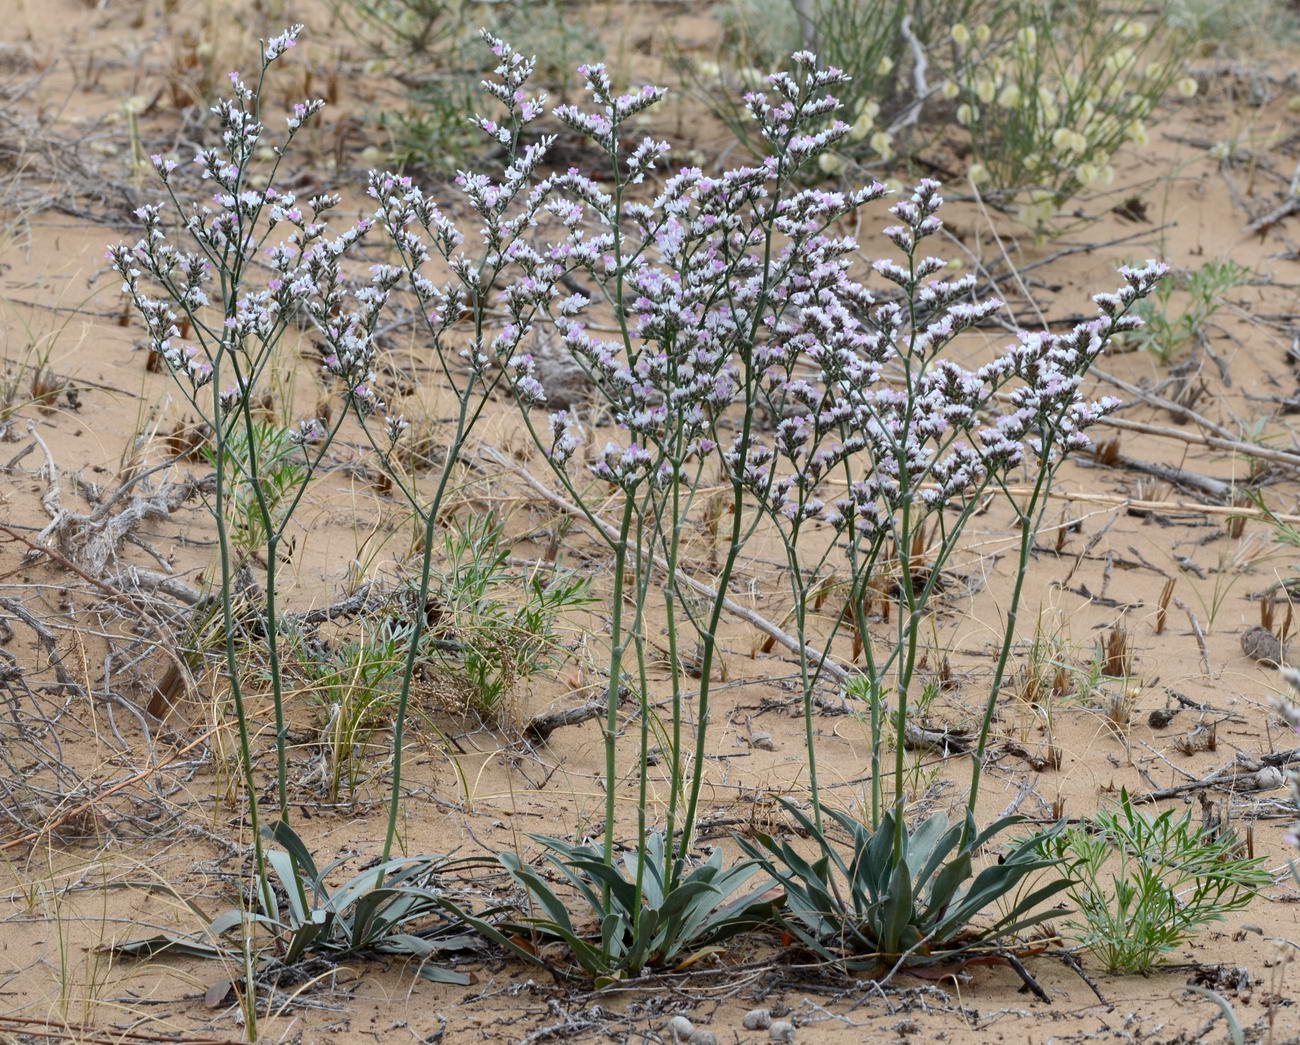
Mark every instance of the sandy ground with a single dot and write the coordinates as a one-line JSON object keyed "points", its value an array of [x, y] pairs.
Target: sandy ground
{"points": [[68, 192]]}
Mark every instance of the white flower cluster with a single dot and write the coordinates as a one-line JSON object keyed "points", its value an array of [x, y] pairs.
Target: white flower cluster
{"points": [[209, 291], [732, 299]]}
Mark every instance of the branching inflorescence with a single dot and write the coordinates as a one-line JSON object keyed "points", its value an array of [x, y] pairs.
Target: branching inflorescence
{"points": [[731, 298], [227, 302]]}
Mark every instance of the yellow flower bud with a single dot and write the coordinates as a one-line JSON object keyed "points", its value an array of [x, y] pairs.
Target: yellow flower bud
{"points": [[1137, 133], [883, 144], [861, 127], [967, 114], [1187, 86], [949, 90], [831, 163], [979, 174], [961, 35], [982, 34], [1010, 96], [885, 65], [1035, 215], [985, 90]]}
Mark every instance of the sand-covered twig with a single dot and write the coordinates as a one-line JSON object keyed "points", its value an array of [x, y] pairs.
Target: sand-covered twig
{"points": [[93, 539]]}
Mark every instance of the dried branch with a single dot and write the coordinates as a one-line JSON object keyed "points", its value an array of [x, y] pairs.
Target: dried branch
{"points": [[542, 726], [920, 65], [1263, 453]]}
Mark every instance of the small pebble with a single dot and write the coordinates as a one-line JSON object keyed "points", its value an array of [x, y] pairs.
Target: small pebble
{"points": [[1262, 645], [781, 1030], [1268, 778], [703, 1037], [680, 1028], [1161, 717], [757, 1019], [762, 741]]}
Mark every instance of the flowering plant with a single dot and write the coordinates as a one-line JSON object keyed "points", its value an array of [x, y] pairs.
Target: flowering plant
{"points": [[218, 325], [218, 312], [731, 298], [743, 346], [910, 440]]}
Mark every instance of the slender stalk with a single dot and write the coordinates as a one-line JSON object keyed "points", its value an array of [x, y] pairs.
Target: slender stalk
{"points": [[670, 608], [271, 623], [799, 591], [262, 880], [617, 647], [417, 623], [709, 642], [643, 575], [1028, 520]]}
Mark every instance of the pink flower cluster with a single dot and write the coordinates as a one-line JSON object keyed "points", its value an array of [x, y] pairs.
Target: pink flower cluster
{"points": [[733, 299], [724, 318], [236, 293], [865, 394]]}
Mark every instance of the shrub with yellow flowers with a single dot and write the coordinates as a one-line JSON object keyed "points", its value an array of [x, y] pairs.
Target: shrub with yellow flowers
{"points": [[1052, 89], [1045, 91], [872, 41]]}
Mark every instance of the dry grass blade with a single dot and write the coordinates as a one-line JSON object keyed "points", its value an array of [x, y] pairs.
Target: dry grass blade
{"points": [[29, 1029]]}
